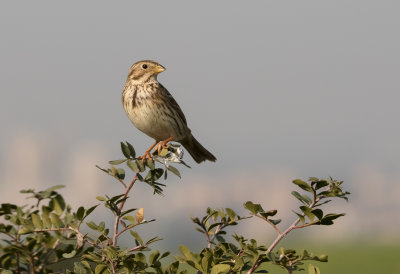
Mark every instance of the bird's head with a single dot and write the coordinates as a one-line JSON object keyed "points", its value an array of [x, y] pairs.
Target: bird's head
{"points": [[144, 71]]}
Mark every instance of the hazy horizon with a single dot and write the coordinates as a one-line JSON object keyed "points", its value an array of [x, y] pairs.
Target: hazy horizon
{"points": [[276, 90]]}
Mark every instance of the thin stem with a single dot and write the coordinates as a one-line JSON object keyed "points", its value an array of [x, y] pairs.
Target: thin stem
{"points": [[284, 233], [17, 259], [268, 221], [10, 235], [305, 225], [210, 240], [51, 251], [121, 206], [125, 229], [31, 265], [122, 182], [18, 270], [137, 247], [112, 266], [69, 229]]}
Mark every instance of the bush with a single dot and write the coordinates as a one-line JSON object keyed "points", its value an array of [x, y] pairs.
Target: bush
{"points": [[47, 237]]}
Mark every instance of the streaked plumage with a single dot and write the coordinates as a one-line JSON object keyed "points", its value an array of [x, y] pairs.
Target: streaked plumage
{"points": [[154, 111]]}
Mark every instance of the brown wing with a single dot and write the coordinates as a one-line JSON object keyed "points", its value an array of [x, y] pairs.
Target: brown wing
{"points": [[165, 93]]}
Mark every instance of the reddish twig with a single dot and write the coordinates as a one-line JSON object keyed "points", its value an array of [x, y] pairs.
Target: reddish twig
{"points": [[121, 206]]}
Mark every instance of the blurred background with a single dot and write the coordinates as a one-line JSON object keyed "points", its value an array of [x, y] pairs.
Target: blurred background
{"points": [[276, 90]]}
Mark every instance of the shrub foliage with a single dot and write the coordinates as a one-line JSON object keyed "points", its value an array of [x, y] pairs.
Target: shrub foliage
{"points": [[47, 236]]}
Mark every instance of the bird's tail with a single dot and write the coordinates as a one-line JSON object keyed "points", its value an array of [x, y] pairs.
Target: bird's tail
{"points": [[196, 150]]}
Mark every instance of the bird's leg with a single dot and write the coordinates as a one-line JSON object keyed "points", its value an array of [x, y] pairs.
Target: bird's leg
{"points": [[147, 153], [163, 144]]}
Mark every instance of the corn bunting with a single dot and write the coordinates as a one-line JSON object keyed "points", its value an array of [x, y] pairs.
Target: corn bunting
{"points": [[153, 110]]}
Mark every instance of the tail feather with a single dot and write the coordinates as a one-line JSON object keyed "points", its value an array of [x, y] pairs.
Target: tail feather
{"points": [[196, 150]]}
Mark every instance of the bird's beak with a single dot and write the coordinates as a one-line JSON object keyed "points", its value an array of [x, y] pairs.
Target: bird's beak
{"points": [[158, 69]]}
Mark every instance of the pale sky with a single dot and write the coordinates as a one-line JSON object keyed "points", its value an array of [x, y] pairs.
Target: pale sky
{"points": [[275, 90]]}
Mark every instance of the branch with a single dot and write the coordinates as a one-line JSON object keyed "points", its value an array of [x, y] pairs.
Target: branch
{"points": [[121, 206], [284, 233], [210, 240], [122, 182], [139, 247], [51, 251], [77, 232], [268, 221], [123, 230]]}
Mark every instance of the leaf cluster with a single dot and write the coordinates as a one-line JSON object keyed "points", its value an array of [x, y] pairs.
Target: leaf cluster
{"points": [[47, 235], [139, 166], [26, 249], [221, 256]]}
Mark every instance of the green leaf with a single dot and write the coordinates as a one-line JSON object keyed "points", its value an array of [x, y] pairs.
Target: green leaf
{"points": [[253, 208], [173, 268], [328, 219], [92, 225], [131, 150], [165, 254], [101, 226], [55, 187], [302, 198], [307, 211], [269, 213], [125, 150], [303, 185], [133, 166], [46, 220], [154, 256], [120, 173], [58, 204], [24, 230], [79, 268], [90, 210], [56, 221], [86, 264], [150, 163], [206, 261], [275, 222], [137, 237], [318, 212], [232, 214], [313, 269], [100, 268], [301, 217], [101, 198], [140, 177], [165, 175], [154, 175], [80, 213], [130, 218], [220, 268], [69, 255], [116, 162], [37, 222], [174, 170], [185, 252], [319, 183], [323, 258], [141, 166], [152, 240], [123, 213]]}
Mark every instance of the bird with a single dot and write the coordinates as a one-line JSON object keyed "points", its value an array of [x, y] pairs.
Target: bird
{"points": [[153, 110]]}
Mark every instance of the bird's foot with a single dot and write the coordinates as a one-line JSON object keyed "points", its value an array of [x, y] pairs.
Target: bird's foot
{"points": [[163, 144], [147, 153]]}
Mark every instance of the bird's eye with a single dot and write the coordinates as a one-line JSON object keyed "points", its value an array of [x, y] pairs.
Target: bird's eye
{"points": [[144, 66]]}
